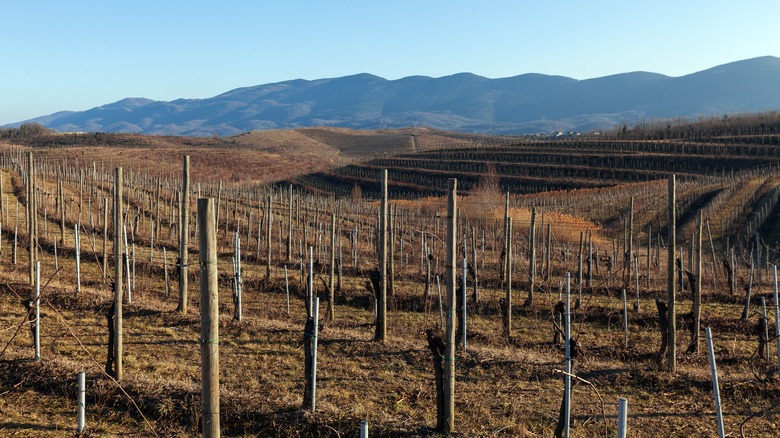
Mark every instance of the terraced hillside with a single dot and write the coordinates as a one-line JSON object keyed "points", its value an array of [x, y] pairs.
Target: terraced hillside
{"points": [[530, 167], [733, 178]]}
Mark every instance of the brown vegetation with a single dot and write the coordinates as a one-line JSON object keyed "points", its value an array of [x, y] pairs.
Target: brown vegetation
{"points": [[504, 387]]}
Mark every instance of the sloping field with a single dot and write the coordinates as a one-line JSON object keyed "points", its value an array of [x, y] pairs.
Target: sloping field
{"points": [[508, 381], [539, 166], [255, 157]]}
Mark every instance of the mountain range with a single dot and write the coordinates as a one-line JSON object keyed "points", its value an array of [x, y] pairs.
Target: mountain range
{"points": [[528, 103]]}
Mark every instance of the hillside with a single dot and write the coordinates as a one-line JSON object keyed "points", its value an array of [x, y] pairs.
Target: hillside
{"points": [[260, 156], [527, 103], [510, 344]]}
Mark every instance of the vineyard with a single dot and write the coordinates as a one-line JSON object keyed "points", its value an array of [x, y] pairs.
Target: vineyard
{"points": [[335, 307], [530, 167]]}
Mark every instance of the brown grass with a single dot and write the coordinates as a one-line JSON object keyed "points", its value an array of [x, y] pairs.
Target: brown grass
{"points": [[390, 384], [503, 388]]}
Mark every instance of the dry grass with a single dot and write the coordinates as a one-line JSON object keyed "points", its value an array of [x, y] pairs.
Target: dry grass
{"points": [[255, 157], [390, 384], [504, 387]]}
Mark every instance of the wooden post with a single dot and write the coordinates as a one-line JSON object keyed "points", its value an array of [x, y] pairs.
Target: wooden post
{"points": [[579, 271], [81, 194], [691, 253], [287, 290], [502, 266], [46, 227], [590, 261], [237, 276], [474, 267], [2, 196], [184, 240], [105, 239], [508, 277], [219, 201], [625, 320], [30, 213], [531, 258], [341, 268], [671, 284], [77, 244], [746, 310], [424, 255], [391, 250], [62, 212], [777, 313], [567, 359], [381, 323], [548, 253], [764, 342], [126, 262], [289, 224], [37, 299], [268, 223], [694, 348], [157, 207], [681, 270], [151, 241], [35, 212], [209, 318], [649, 247], [332, 276], [441, 306], [310, 284], [308, 362], [118, 268], [714, 262], [630, 242], [451, 264], [227, 216], [735, 269], [165, 273]]}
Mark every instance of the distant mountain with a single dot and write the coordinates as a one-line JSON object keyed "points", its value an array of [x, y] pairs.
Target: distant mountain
{"points": [[527, 103]]}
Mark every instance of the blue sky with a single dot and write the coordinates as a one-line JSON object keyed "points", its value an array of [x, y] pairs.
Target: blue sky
{"points": [[78, 54]]}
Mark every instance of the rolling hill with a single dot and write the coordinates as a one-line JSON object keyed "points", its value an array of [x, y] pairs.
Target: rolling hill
{"points": [[527, 103]]}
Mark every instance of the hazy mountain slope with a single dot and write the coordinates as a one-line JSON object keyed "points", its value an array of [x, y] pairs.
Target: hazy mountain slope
{"points": [[465, 102]]}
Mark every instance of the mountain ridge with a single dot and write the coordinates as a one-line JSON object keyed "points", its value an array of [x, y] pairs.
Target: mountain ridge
{"points": [[525, 103]]}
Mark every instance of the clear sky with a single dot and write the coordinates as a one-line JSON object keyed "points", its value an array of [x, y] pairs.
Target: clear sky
{"points": [[77, 54]]}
